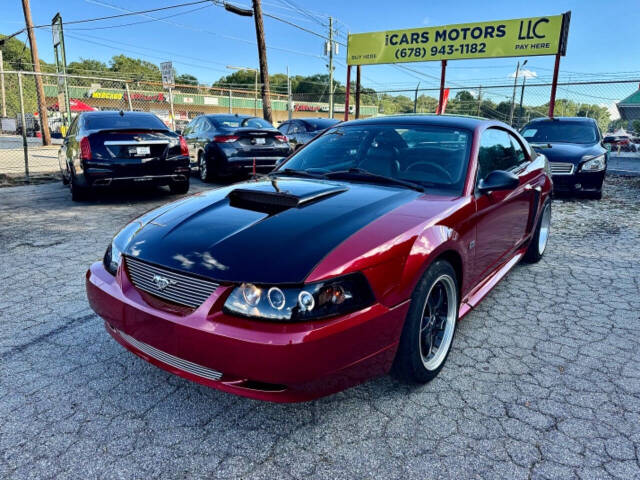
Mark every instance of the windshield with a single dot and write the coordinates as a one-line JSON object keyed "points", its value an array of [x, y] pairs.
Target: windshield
{"points": [[434, 157], [235, 122], [116, 121], [560, 132]]}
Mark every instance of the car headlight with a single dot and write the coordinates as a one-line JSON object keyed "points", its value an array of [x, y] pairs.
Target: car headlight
{"points": [[113, 255], [593, 164], [313, 301]]}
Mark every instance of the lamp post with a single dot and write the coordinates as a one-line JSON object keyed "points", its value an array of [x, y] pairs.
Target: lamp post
{"points": [[513, 98], [255, 85]]}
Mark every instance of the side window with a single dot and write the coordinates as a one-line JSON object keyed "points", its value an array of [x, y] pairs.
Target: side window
{"points": [[521, 157], [496, 152], [204, 125], [284, 128], [189, 128], [73, 129]]}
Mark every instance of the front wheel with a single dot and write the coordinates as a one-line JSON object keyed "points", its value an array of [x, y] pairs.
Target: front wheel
{"points": [[430, 325], [538, 243]]}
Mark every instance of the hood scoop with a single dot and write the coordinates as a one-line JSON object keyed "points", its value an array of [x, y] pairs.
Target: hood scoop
{"points": [[278, 200]]}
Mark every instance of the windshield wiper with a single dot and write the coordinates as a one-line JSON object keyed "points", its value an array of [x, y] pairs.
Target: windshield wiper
{"points": [[294, 173], [360, 174]]}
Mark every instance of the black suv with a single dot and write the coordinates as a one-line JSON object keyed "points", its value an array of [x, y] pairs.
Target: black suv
{"points": [[574, 148]]}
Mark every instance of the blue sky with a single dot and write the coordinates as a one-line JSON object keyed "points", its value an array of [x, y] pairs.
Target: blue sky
{"points": [[603, 37]]}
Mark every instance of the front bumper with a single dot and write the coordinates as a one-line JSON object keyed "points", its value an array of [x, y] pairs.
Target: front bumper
{"points": [[579, 182], [263, 360]]}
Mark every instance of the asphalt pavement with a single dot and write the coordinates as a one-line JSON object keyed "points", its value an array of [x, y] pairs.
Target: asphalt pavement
{"points": [[543, 381]]}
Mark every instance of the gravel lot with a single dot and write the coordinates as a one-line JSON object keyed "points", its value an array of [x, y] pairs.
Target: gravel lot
{"points": [[543, 380]]}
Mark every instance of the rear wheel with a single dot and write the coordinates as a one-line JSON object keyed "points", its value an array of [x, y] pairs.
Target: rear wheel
{"points": [[430, 325], [538, 243], [203, 166], [179, 187], [77, 193]]}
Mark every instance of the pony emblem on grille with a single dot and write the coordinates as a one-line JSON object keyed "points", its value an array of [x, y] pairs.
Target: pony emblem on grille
{"points": [[162, 282]]}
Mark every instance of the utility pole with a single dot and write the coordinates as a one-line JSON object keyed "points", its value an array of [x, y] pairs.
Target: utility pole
{"points": [[331, 67], [479, 99], [4, 98], [42, 107], [521, 116], [513, 98], [262, 53], [415, 99]]}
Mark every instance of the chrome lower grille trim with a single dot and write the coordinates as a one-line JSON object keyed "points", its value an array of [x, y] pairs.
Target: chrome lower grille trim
{"points": [[181, 288], [172, 360], [561, 168]]}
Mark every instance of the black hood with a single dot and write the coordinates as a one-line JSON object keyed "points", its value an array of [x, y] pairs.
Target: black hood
{"points": [[261, 232], [568, 152]]}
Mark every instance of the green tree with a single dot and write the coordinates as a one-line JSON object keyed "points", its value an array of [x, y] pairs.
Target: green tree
{"points": [[636, 126], [135, 67]]}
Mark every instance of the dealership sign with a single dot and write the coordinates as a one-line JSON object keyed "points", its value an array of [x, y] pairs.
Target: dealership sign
{"points": [[503, 38]]}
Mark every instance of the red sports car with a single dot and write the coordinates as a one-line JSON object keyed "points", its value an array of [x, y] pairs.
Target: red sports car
{"points": [[356, 257]]}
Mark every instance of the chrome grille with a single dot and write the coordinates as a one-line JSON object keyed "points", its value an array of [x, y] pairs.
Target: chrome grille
{"points": [[560, 168], [177, 362], [169, 285]]}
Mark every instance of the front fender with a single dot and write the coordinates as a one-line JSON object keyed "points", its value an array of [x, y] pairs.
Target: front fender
{"points": [[433, 242]]}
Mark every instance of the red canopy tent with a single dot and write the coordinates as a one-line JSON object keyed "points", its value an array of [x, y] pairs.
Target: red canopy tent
{"points": [[76, 106]]}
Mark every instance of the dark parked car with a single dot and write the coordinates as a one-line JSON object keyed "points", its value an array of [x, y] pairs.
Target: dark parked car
{"points": [[301, 130], [576, 153], [357, 256], [622, 142], [108, 148], [224, 145]]}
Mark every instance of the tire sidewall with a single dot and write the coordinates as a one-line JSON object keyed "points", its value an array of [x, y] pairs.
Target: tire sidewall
{"points": [[203, 161], [408, 364]]}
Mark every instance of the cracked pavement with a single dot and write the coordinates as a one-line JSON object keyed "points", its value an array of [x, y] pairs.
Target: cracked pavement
{"points": [[543, 381]]}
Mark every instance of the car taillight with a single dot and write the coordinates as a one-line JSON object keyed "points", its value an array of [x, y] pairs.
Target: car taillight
{"points": [[85, 149], [184, 148], [282, 138], [225, 138]]}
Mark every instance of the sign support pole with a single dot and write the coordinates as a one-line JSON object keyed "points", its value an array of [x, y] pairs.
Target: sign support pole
{"points": [[554, 85], [346, 95], [358, 91], [24, 128], [442, 79]]}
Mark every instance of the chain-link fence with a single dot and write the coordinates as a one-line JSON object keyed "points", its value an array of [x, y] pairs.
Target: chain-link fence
{"points": [[22, 151]]}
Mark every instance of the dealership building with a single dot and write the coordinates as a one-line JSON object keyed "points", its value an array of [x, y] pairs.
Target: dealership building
{"points": [[189, 105]]}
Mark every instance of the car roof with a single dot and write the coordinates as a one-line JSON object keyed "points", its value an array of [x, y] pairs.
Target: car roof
{"points": [[455, 121], [107, 113], [563, 119], [227, 115]]}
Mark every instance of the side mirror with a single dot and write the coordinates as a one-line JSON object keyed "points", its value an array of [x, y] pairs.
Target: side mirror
{"points": [[498, 180]]}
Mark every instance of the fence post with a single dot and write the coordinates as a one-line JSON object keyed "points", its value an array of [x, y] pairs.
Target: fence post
{"points": [[230, 101], [24, 129], [173, 118], [4, 98], [126, 87]]}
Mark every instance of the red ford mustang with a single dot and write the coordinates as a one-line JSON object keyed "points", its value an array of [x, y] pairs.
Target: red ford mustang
{"points": [[356, 257]]}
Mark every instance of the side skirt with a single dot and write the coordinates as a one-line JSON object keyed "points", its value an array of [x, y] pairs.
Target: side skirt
{"points": [[483, 288]]}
